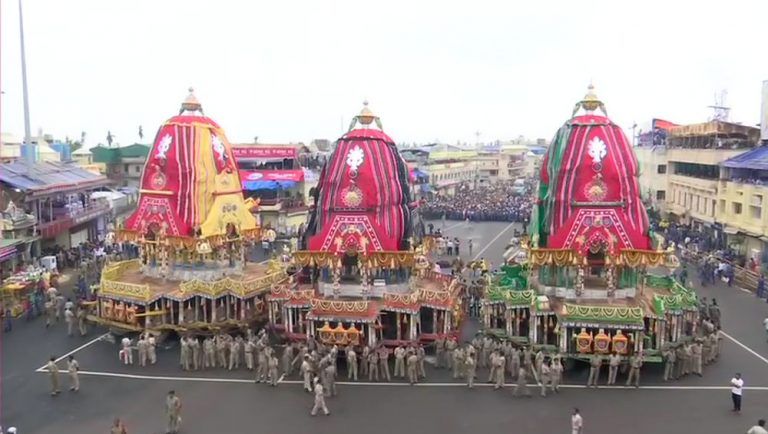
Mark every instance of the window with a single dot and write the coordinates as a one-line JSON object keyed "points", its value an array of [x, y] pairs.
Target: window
{"points": [[712, 208], [736, 208], [137, 168], [661, 195], [661, 168], [125, 168], [755, 212]]}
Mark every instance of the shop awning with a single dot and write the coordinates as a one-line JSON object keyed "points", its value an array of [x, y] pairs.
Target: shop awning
{"points": [[730, 231], [268, 185]]}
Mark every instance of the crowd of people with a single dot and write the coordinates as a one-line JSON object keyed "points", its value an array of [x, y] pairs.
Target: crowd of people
{"points": [[495, 202]]}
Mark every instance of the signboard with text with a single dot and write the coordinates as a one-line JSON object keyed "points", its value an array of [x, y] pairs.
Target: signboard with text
{"points": [[264, 152], [272, 175]]}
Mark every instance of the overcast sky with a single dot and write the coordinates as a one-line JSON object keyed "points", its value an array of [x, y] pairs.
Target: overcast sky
{"points": [[433, 70]]}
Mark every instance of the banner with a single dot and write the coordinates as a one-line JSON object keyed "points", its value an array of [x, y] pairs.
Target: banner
{"points": [[264, 152], [271, 175]]}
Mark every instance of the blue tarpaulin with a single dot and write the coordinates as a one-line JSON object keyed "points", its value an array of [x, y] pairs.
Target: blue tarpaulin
{"points": [[756, 159], [420, 174], [267, 185]]}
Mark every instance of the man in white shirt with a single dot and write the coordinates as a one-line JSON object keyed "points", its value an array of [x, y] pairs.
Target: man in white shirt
{"points": [[759, 428], [736, 387], [577, 423]]}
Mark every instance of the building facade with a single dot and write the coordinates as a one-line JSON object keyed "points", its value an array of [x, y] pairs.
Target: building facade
{"points": [[281, 176], [57, 197], [682, 175], [122, 165]]}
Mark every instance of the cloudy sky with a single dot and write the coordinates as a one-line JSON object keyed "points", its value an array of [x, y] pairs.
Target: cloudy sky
{"points": [[433, 70]]}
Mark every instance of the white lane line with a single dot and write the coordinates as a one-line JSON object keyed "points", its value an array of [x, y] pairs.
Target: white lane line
{"points": [[754, 353], [492, 241], [393, 384], [81, 347], [745, 290]]}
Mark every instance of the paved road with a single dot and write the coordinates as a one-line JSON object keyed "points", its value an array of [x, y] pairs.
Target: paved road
{"points": [[222, 401]]}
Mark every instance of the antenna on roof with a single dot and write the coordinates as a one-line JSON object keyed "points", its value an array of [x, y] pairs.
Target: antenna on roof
{"points": [[720, 111]]}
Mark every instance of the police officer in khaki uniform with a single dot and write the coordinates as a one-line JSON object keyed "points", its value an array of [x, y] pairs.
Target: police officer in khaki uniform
{"points": [[73, 368], [470, 371], [306, 373], [400, 362], [492, 363], [373, 366], [696, 353], [351, 364], [53, 373], [209, 353], [635, 363], [364, 360], [457, 362], [413, 373], [194, 346], [319, 399], [556, 373], [172, 412], [248, 349], [614, 360], [595, 362], [669, 363], [545, 377], [329, 376], [81, 314], [450, 346], [498, 365], [141, 345], [384, 363], [421, 355], [273, 365]]}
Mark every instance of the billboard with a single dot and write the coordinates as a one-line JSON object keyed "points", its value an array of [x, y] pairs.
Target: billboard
{"points": [[263, 152], [272, 175]]}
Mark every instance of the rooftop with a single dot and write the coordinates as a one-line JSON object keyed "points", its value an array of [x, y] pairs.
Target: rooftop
{"points": [[48, 177], [103, 154]]}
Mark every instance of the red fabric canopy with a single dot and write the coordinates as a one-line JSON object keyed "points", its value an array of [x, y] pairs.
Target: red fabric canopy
{"points": [[177, 180], [363, 196], [596, 192]]}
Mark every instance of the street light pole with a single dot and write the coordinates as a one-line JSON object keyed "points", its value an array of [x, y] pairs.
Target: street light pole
{"points": [[30, 155]]}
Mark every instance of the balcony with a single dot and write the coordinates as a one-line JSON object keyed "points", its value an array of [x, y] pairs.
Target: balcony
{"points": [[93, 210], [14, 220], [708, 185], [711, 157], [287, 205]]}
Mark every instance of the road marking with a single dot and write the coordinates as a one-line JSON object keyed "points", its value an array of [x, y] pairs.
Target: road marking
{"points": [[754, 353], [393, 384], [81, 347], [492, 241], [745, 290]]}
